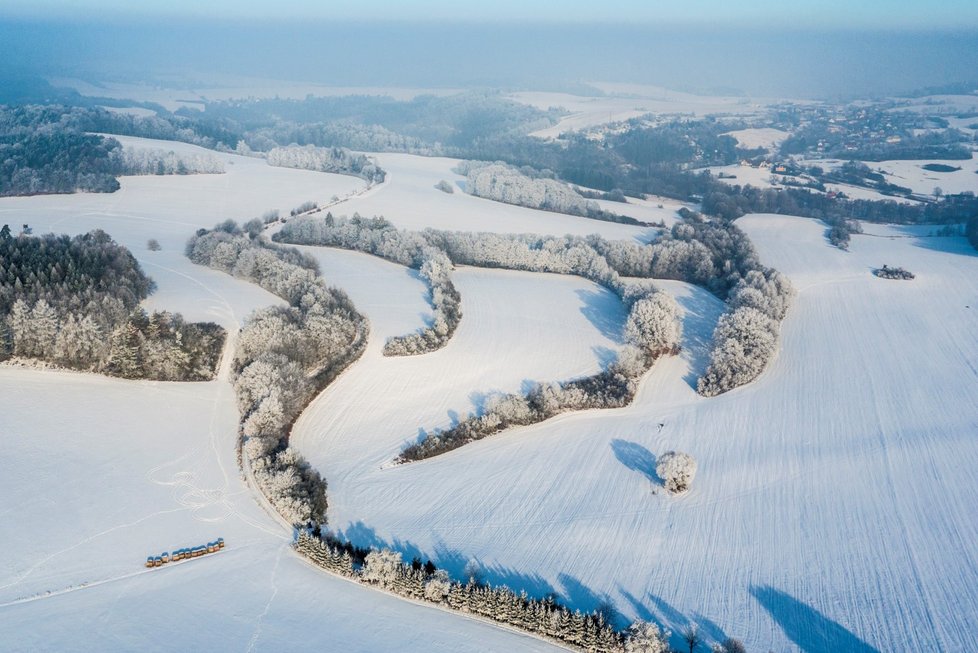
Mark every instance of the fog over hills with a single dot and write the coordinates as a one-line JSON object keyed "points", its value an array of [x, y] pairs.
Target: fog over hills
{"points": [[792, 61]]}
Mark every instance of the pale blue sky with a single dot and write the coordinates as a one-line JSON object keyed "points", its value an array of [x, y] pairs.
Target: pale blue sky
{"points": [[861, 14]]}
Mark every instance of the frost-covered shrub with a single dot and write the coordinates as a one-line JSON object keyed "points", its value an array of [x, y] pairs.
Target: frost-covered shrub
{"points": [[445, 187], [887, 272], [677, 470], [438, 586], [730, 645]]}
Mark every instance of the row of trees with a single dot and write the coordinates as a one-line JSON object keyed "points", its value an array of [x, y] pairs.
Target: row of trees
{"points": [[436, 270], [503, 183], [711, 253], [971, 230], [154, 161], [284, 356], [378, 237], [337, 160], [75, 302], [384, 568]]}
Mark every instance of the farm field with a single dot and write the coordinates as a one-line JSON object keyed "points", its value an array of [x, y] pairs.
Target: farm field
{"points": [[850, 455]]}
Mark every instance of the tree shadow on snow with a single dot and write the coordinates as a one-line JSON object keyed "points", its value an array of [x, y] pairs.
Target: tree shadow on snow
{"points": [[603, 310], [808, 628], [661, 612], [636, 458]]}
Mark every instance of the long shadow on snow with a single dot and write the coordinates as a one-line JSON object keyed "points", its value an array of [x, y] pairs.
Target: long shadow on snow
{"points": [[636, 458], [947, 245], [808, 628], [603, 310], [573, 594], [669, 618]]}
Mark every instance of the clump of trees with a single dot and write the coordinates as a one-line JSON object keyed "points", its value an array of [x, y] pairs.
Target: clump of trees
{"points": [[677, 470], [284, 356], [545, 617], [153, 161], [75, 302], [746, 337], [886, 272], [337, 160], [503, 183], [841, 229]]}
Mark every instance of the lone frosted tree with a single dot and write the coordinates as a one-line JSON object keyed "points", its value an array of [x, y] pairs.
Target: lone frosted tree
{"points": [[677, 470]]}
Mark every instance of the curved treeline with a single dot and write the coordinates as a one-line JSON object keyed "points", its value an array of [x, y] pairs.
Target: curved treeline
{"points": [[378, 237], [75, 302], [712, 254], [284, 356]]}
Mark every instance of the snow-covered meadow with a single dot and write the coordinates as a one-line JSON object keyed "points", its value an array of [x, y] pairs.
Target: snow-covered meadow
{"points": [[833, 506], [99, 473], [832, 510]]}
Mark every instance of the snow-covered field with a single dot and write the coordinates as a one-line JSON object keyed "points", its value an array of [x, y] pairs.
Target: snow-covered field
{"points": [[410, 200], [765, 137], [833, 509], [913, 175], [98, 473], [834, 504], [626, 101]]}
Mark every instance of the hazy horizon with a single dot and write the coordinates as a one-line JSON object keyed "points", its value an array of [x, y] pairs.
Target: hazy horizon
{"points": [[803, 63]]}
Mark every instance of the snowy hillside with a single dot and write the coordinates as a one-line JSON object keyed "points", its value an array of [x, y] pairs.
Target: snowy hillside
{"points": [[833, 509], [99, 473], [848, 456]]}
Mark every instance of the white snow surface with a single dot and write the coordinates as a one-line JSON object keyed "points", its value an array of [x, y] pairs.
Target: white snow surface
{"points": [[766, 137], [99, 473], [410, 200], [834, 506]]}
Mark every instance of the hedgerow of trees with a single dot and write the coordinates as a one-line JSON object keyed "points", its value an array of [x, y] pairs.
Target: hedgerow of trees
{"points": [[284, 356], [337, 160], [545, 617], [710, 253], [75, 302], [503, 183]]}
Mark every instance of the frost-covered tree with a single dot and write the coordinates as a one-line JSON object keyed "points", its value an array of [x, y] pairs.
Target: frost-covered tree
{"points": [[645, 637], [436, 588], [653, 323], [382, 567], [729, 645], [677, 470]]}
